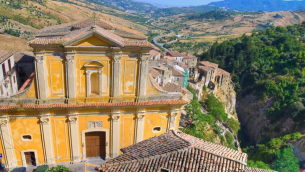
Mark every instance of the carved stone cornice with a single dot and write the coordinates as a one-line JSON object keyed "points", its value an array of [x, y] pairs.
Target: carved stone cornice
{"points": [[140, 116], [45, 120], [144, 57], [39, 58], [72, 118], [115, 117], [3, 122], [70, 58]]}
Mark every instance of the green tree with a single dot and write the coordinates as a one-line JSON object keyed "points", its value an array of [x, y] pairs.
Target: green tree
{"points": [[59, 168], [286, 161], [258, 164]]}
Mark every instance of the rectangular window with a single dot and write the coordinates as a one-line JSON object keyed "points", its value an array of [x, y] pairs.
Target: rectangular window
{"points": [[3, 70], [9, 65]]}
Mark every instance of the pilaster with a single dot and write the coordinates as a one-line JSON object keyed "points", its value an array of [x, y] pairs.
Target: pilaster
{"points": [[140, 121], [143, 72], [41, 76], [172, 117], [88, 83], [7, 142], [100, 85], [116, 74], [71, 76], [45, 124], [74, 136], [115, 133]]}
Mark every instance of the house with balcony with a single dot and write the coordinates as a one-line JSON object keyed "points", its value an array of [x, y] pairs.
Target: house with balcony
{"points": [[8, 77]]}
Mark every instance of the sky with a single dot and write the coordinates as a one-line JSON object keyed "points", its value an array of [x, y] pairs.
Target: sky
{"points": [[180, 2]]}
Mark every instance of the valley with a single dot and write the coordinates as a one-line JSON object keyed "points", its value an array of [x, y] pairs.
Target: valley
{"points": [[262, 50]]}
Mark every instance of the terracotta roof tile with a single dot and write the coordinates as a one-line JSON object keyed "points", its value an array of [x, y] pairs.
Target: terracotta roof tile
{"points": [[176, 152], [61, 34], [5, 55], [178, 73], [207, 63], [220, 72], [154, 73], [171, 87]]}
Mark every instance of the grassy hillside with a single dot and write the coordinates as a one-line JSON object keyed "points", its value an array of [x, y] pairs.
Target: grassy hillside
{"points": [[27, 16], [12, 43]]}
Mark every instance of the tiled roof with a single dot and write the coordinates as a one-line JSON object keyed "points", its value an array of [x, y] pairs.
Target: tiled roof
{"points": [[92, 105], [178, 73], [164, 143], [222, 72], [249, 169], [183, 160], [154, 53], [205, 68], [207, 63], [27, 83], [69, 32], [154, 73], [5, 55], [215, 148], [175, 54], [171, 87], [177, 152]]}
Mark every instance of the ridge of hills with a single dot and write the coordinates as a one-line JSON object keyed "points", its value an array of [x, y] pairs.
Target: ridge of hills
{"points": [[260, 5]]}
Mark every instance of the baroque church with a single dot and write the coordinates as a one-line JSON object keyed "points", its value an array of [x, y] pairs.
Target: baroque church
{"points": [[90, 95]]}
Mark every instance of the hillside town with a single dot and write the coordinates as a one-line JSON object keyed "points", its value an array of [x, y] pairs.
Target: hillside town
{"points": [[95, 90]]}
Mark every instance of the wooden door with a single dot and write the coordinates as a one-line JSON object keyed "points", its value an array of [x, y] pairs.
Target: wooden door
{"points": [[96, 145], [30, 158]]}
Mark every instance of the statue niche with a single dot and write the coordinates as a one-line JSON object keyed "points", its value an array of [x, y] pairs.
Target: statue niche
{"points": [[94, 71]]}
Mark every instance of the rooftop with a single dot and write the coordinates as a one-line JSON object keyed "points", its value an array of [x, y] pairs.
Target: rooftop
{"points": [[65, 34], [177, 152], [171, 87], [209, 64], [4, 55]]}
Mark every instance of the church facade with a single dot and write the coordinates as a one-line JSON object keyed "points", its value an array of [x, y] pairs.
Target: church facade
{"points": [[91, 95]]}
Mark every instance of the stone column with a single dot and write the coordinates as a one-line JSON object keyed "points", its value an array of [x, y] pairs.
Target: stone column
{"points": [[140, 121], [46, 132], [173, 112], [88, 85], [143, 73], [116, 74], [115, 133], [7, 143], [41, 77], [74, 137], [71, 76], [100, 82]]}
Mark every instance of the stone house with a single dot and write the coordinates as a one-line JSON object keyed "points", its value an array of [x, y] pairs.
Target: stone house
{"points": [[8, 76]]}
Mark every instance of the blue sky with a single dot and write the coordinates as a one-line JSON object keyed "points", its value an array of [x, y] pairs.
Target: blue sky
{"points": [[179, 2]]}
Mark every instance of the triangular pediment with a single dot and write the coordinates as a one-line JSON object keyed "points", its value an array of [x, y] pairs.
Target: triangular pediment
{"points": [[93, 41], [94, 38]]}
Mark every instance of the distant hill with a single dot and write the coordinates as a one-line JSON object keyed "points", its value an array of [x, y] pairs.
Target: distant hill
{"points": [[261, 5], [180, 10]]}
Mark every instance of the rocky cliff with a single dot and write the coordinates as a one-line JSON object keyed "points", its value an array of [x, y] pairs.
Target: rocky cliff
{"points": [[252, 115]]}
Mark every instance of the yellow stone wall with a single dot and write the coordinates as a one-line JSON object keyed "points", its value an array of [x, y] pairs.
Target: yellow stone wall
{"points": [[154, 120], [61, 140], [26, 126], [56, 76], [128, 124]]}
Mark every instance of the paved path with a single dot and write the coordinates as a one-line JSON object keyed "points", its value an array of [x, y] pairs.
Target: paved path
{"points": [[161, 36]]}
